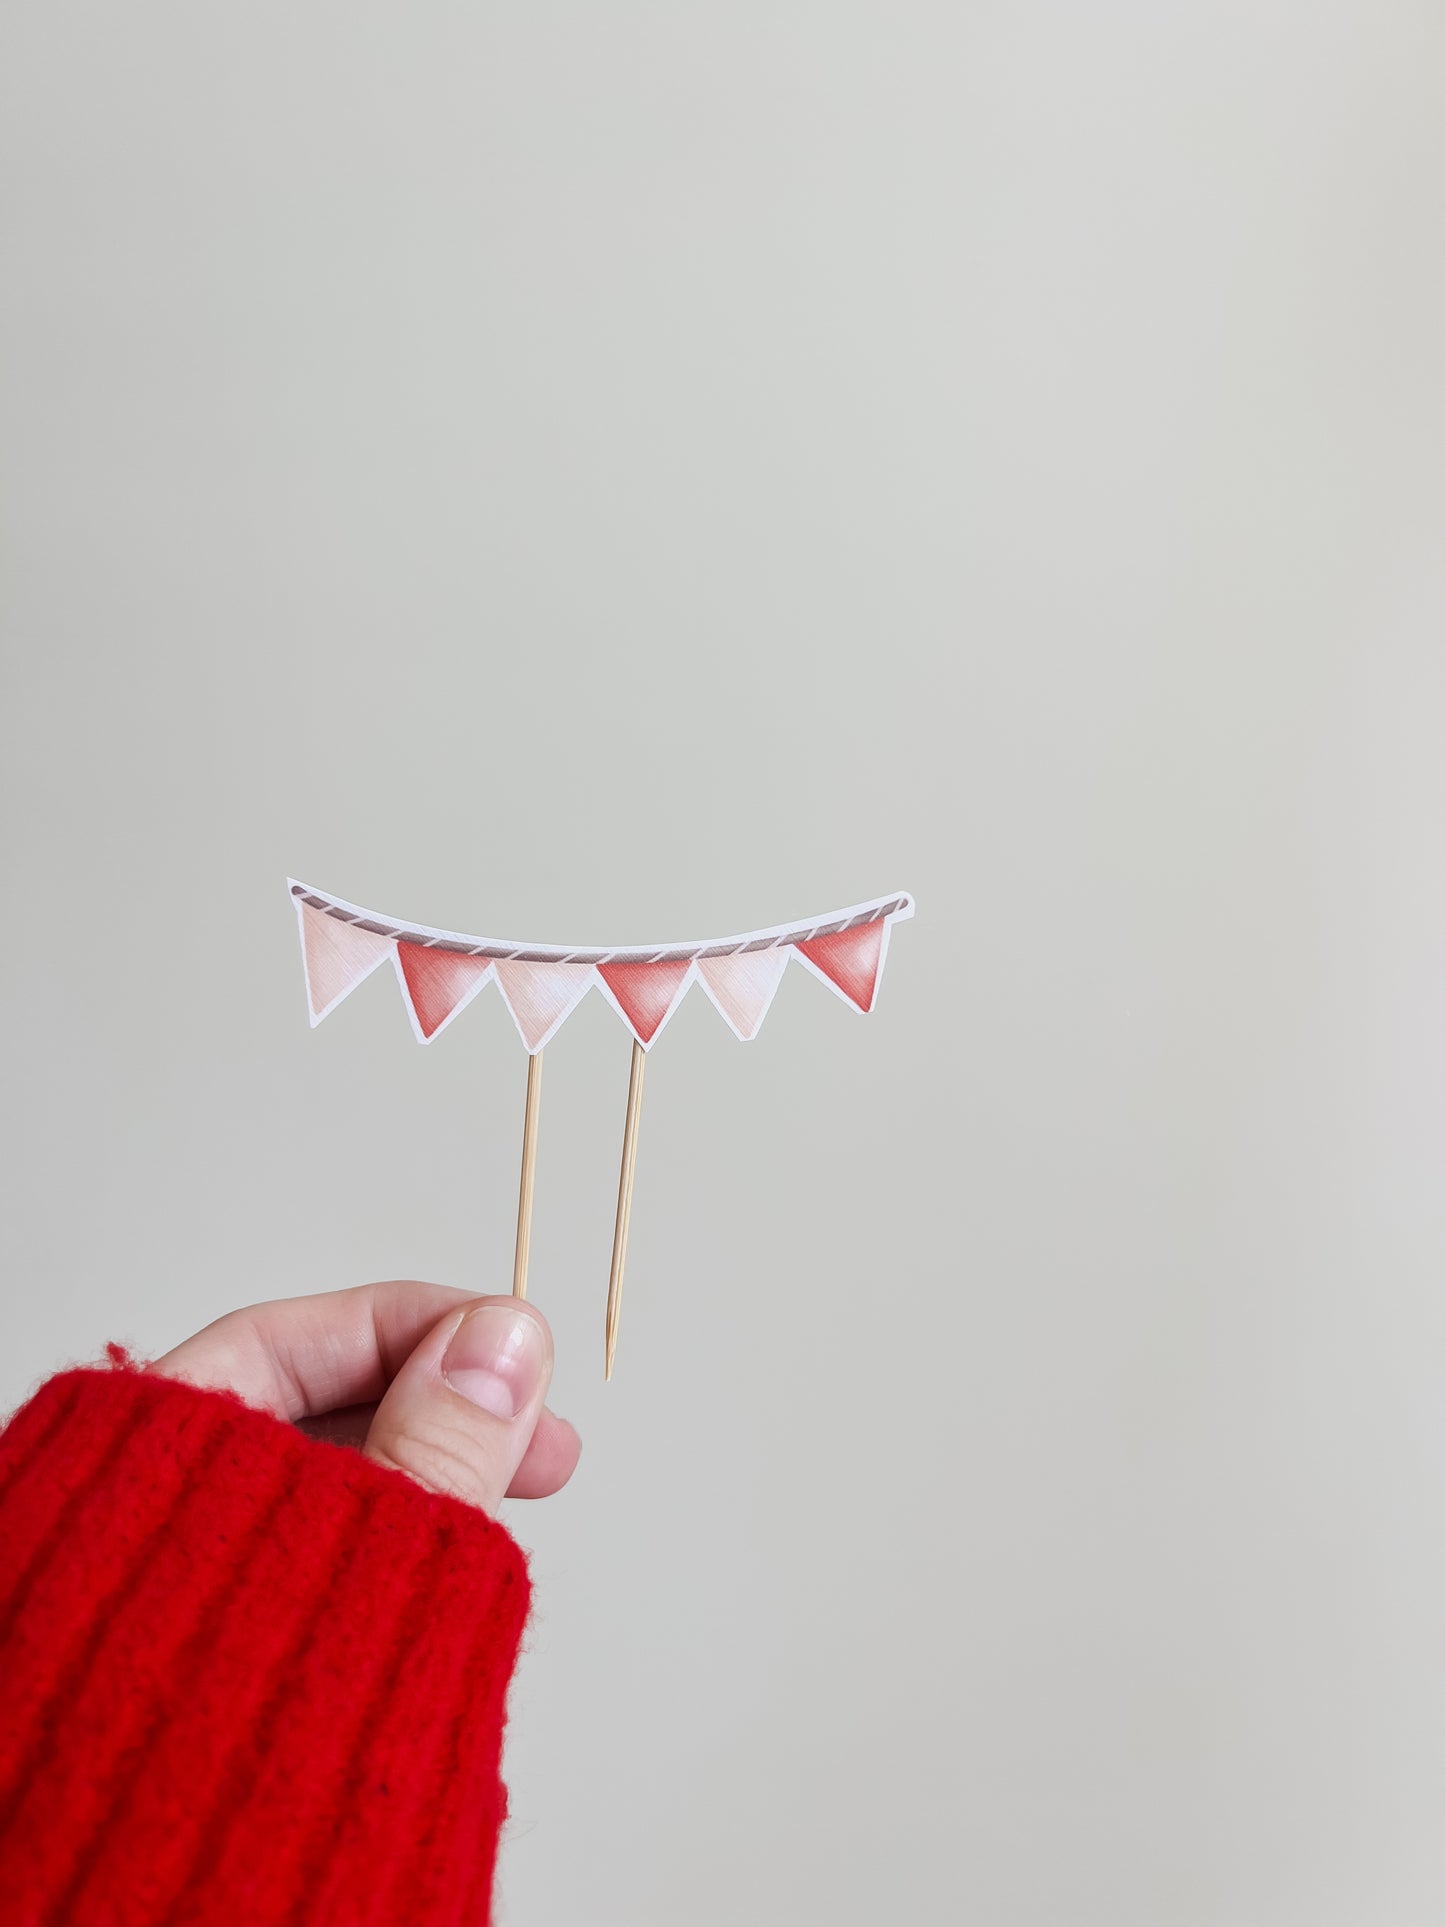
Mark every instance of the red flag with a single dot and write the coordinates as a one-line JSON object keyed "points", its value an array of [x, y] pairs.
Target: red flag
{"points": [[850, 960], [646, 993], [438, 984]]}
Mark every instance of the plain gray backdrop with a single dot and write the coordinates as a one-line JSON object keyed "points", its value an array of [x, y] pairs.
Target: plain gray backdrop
{"points": [[626, 471]]}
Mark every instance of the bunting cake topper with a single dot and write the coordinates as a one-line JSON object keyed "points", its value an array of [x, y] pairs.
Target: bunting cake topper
{"points": [[441, 971]]}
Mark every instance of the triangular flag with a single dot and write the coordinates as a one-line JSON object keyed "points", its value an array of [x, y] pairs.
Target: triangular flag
{"points": [[646, 993], [335, 956], [541, 995], [438, 984], [742, 986], [850, 961]]}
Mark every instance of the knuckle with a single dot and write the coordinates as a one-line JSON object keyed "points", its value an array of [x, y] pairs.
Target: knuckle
{"points": [[440, 1457]]}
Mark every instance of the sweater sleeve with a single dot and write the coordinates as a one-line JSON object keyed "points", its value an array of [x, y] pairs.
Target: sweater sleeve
{"points": [[248, 1677]]}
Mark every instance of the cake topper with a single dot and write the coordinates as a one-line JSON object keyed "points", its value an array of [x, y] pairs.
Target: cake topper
{"points": [[441, 971]]}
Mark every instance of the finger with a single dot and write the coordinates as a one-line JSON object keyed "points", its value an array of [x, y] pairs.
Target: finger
{"points": [[299, 1357], [549, 1460], [462, 1410], [315, 1360], [348, 1426], [547, 1464]]}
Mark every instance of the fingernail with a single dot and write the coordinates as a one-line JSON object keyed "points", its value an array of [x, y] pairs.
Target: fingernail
{"points": [[495, 1359]]}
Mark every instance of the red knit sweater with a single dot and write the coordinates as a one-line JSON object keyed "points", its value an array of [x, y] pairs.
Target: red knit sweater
{"points": [[245, 1678]]}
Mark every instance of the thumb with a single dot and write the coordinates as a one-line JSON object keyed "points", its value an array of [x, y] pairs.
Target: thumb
{"points": [[459, 1414]]}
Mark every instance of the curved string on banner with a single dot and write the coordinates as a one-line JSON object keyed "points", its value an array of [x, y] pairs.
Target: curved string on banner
{"points": [[441, 971]]}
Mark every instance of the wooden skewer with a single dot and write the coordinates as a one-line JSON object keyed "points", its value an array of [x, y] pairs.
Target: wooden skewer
{"points": [[624, 1199], [529, 1175]]}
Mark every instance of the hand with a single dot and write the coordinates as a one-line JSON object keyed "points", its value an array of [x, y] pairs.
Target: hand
{"points": [[439, 1384]]}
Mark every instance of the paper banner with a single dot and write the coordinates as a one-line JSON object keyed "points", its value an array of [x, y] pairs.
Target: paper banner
{"points": [[646, 993], [437, 985], [849, 961], [441, 971], [742, 987], [541, 995], [336, 957]]}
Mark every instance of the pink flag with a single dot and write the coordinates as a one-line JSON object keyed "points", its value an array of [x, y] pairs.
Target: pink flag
{"points": [[541, 995], [438, 984], [646, 993], [850, 960], [336, 957], [743, 986]]}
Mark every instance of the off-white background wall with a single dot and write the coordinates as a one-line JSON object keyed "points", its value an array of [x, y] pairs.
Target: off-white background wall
{"points": [[617, 470]]}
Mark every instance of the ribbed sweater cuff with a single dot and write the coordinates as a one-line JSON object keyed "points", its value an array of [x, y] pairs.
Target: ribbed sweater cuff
{"points": [[248, 1678]]}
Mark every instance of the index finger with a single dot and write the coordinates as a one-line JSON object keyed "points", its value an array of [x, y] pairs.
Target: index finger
{"points": [[300, 1357]]}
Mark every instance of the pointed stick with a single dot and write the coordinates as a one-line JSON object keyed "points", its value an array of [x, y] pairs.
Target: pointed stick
{"points": [[529, 1175], [624, 1199]]}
